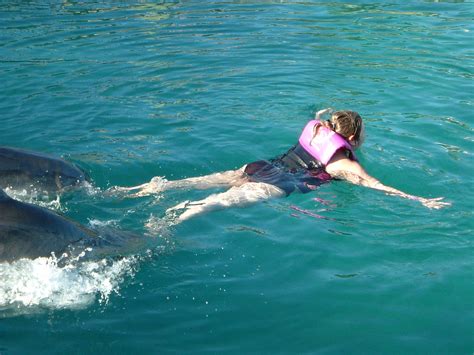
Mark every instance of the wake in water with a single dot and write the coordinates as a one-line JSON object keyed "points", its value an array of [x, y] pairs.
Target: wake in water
{"points": [[46, 199], [31, 285], [37, 197], [79, 278], [155, 226], [75, 279]]}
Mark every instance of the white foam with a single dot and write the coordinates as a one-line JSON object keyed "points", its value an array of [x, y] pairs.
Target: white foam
{"points": [[161, 226], [37, 197], [95, 223], [28, 285], [31, 286], [90, 189]]}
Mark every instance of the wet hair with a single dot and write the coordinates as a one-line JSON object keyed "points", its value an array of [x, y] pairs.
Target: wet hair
{"points": [[346, 123]]}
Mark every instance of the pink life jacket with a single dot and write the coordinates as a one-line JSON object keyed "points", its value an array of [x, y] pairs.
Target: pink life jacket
{"points": [[325, 145]]}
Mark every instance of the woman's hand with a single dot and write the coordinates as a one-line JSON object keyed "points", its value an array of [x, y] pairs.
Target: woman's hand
{"points": [[434, 203], [322, 112], [343, 168]]}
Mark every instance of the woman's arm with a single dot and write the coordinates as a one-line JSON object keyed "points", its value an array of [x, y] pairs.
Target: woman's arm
{"points": [[342, 167]]}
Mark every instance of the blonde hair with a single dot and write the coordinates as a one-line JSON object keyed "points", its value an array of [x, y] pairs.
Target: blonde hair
{"points": [[346, 123]]}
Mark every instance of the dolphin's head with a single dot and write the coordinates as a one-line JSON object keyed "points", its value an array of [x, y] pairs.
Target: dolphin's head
{"points": [[22, 169], [70, 176]]}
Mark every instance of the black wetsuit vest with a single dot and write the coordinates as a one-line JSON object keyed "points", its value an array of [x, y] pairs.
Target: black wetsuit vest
{"points": [[294, 170], [298, 158]]}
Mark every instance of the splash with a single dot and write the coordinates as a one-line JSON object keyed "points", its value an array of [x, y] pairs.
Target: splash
{"points": [[90, 189], [155, 187], [48, 283], [67, 282], [37, 197], [161, 226], [97, 224]]}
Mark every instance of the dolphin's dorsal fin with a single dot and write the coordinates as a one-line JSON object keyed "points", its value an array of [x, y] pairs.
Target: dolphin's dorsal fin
{"points": [[3, 196]]}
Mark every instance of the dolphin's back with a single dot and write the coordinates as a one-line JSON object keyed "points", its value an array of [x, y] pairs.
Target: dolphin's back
{"points": [[29, 231], [20, 168]]}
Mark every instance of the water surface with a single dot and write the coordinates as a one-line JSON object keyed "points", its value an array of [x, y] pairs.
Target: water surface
{"points": [[179, 89]]}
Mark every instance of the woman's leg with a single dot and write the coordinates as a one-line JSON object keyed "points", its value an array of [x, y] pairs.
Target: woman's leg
{"points": [[224, 179], [242, 195], [159, 184]]}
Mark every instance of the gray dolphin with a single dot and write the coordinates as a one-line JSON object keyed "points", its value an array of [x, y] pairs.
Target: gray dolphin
{"points": [[29, 231], [23, 169]]}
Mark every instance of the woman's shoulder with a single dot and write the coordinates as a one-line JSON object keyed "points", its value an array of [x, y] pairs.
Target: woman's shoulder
{"points": [[340, 161]]}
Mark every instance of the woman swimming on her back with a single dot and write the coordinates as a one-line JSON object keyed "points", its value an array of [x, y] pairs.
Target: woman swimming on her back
{"points": [[325, 151]]}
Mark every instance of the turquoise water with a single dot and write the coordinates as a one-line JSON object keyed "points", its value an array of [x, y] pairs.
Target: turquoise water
{"points": [[132, 91]]}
